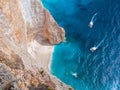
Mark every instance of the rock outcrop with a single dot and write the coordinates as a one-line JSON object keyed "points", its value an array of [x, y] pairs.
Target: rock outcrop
{"points": [[27, 33], [23, 24]]}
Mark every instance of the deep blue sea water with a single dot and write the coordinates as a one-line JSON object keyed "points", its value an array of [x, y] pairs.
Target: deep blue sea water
{"points": [[72, 61]]}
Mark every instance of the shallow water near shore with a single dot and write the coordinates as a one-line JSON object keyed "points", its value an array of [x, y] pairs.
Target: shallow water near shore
{"points": [[72, 61]]}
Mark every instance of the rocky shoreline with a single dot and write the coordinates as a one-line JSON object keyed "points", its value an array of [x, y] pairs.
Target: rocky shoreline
{"points": [[27, 35]]}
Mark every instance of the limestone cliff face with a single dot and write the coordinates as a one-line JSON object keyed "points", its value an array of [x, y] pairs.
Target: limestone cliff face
{"points": [[23, 23], [25, 26]]}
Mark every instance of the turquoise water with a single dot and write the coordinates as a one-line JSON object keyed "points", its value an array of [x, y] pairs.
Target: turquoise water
{"points": [[72, 61]]}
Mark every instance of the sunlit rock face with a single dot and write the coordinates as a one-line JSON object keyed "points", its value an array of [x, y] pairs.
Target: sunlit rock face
{"points": [[40, 25], [24, 22], [27, 33]]}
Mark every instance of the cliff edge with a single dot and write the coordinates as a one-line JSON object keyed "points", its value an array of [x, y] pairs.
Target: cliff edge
{"points": [[27, 33]]}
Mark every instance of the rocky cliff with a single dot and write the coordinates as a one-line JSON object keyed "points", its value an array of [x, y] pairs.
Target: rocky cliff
{"points": [[27, 33]]}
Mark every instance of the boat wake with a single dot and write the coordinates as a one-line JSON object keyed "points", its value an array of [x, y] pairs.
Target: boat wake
{"points": [[96, 47]]}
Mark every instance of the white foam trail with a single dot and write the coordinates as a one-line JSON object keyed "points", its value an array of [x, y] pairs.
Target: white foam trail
{"points": [[96, 47], [93, 20], [101, 41]]}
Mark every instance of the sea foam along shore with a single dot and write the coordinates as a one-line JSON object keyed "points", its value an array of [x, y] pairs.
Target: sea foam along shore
{"points": [[59, 84]]}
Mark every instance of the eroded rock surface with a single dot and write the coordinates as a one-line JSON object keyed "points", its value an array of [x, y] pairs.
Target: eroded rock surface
{"points": [[25, 30], [23, 22], [16, 79]]}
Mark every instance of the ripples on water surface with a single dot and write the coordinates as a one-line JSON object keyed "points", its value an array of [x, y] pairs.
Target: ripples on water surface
{"points": [[72, 61]]}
